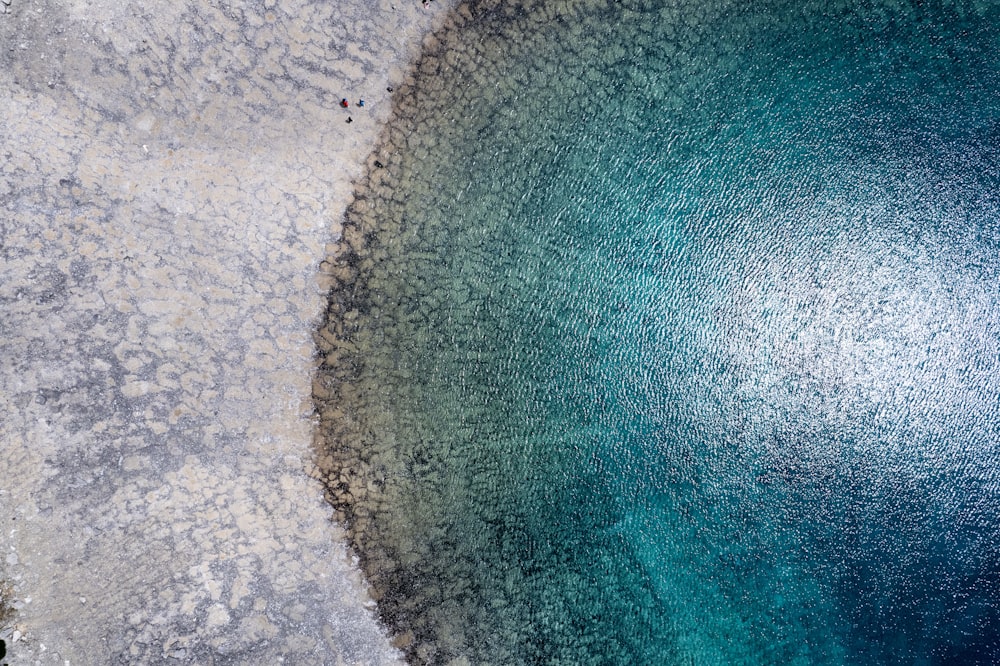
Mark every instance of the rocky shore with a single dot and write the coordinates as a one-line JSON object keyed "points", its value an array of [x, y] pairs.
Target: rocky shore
{"points": [[172, 174]]}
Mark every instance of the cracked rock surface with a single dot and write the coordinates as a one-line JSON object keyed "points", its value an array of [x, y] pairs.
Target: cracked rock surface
{"points": [[171, 175]]}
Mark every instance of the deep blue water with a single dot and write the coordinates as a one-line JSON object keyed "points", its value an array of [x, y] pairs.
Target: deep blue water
{"points": [[678, 337]]}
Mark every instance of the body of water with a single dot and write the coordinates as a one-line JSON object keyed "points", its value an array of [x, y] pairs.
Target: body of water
{"points": [[669, 333]]}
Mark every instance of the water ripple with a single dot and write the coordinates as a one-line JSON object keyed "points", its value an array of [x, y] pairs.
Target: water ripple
{"points": [[672, 336]]}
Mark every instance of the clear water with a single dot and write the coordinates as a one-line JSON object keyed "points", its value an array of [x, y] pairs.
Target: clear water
{"points": [[669, 333]]}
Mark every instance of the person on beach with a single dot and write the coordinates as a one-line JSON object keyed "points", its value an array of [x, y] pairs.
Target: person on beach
{"points": [[344, 103]]}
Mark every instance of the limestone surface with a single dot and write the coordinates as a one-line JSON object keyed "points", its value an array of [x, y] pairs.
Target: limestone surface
{"points": [[171, 176]]}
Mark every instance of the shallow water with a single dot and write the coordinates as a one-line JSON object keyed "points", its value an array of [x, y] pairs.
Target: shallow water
{"points": [[669, 334]]}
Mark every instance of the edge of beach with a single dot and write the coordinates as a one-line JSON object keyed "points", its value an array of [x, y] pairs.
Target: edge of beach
{"points": [[172, 178]]}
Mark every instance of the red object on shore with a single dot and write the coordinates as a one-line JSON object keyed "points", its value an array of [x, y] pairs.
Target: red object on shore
{"points": [[344, 103]]}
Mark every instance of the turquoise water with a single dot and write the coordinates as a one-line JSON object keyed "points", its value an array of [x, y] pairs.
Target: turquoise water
{"points": [[669, 333]]}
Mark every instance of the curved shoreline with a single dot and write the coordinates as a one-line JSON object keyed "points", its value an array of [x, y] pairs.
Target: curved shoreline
{"points": [[354, 474], [173, 178]]}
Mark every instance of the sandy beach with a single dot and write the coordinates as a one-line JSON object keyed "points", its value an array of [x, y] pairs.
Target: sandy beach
{"points": [[172, 176]]}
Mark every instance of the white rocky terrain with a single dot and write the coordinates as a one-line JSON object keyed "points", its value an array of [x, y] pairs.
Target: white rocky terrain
{"points": [[172, 174]]}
